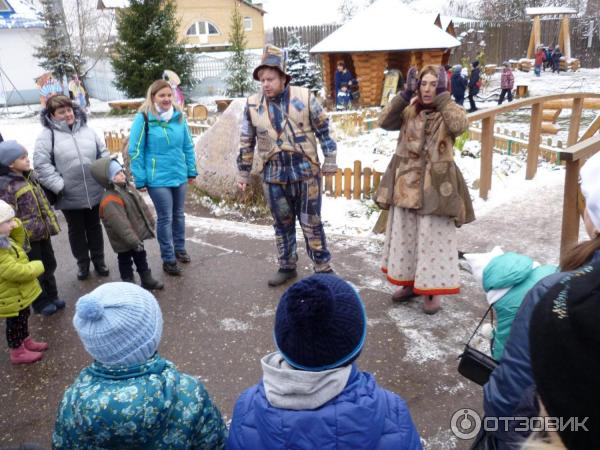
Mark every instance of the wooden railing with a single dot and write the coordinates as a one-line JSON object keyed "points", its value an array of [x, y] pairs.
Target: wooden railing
{"points": [[488, 117], [574, 156]]}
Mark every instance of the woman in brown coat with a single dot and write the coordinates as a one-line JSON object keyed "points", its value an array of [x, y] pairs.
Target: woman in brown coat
{"points": [[424, 190]]}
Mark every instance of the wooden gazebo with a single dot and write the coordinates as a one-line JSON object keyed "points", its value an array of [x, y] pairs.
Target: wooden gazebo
{"points": [[387, 35]]}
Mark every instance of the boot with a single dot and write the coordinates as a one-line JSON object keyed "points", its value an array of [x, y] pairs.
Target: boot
{"points": [[84, 271], [101, 269], [282, 276], [171, 268], [148, 282], [403, 294], [21, 355], [60, 304], [183, 256], [34, 346], [48, 310], [127, 279], [432, 304]]}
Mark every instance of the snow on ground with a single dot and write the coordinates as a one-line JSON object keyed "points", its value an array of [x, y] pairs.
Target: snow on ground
{"points": [[584, 80]]}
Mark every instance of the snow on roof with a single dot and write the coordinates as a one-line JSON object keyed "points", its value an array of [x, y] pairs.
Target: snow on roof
{"points": [[19, 14], [386, 25], [549, 10]]}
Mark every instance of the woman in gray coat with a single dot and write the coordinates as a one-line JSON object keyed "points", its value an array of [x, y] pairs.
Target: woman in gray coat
{"points": [[64, 152]]}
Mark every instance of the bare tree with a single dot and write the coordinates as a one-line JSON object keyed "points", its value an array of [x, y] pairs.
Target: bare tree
{"points": [[90, 31], [347, 9]]}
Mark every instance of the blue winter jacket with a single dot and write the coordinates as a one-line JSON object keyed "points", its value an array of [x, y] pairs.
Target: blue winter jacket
{"points": [[363, 416], [510, 392], [458, 84], [149, 406], [163, 154]]}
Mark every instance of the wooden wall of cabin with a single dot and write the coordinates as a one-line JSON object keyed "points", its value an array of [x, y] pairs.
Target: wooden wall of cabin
{"points": [[369, 70]]}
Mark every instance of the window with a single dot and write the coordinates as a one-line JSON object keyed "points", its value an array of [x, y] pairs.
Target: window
{"points": [[201, 28], [247, 23]]}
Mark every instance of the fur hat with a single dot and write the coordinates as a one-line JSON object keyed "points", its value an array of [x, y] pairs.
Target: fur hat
{"points": [[565, 353], [6, 212], [274, 58], [590, 187], [320, 323], [119, 324], [10, 151]]}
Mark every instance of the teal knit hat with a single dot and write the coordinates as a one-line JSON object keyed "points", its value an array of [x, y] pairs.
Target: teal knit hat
{"points": [[119, 324]]}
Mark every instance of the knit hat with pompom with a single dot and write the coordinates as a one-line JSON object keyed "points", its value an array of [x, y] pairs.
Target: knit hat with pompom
{"points": [[320, 323], [119, 324]]}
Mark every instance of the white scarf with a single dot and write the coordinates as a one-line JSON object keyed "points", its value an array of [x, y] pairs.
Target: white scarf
{"points": [[165, 115]]}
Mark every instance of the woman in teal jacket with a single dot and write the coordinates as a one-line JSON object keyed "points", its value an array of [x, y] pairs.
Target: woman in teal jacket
{"points": [[163, 162]]}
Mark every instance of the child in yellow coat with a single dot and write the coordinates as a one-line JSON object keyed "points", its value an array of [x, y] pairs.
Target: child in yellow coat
{"points": [[19, 288]]}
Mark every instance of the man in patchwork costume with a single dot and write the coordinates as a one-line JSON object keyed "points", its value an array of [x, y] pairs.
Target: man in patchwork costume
{"points": [[282, 123]]}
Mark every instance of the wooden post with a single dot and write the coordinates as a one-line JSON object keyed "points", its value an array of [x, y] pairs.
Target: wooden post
{"points": [[347, 183], [329, 183], [376, 180], [357, 177], [570, 219], [533, 149], [338, 183], [575, 122], [487, 150], [367, 182]]}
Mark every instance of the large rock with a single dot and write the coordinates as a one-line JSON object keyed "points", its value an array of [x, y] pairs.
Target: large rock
{"points": [[216, 154]]}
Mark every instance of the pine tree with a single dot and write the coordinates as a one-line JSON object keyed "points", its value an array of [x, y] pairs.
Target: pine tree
{"points": [[303, 71], [147, 45], [55, 53], [238, 80]]}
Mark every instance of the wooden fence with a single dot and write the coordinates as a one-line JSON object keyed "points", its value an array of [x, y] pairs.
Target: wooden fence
{"points": [[309, 35], [509, 40], [357, 183], [503, 40], [513, 143]]}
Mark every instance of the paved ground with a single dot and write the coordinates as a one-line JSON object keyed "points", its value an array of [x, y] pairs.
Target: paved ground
{"points": [[219, 315]]}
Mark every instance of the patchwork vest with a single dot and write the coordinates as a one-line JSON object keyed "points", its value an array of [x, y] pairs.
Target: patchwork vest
{"points": [[296, 134]]}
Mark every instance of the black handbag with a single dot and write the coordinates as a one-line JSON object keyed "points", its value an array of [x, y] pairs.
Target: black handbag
{"points": [[476, 365]]}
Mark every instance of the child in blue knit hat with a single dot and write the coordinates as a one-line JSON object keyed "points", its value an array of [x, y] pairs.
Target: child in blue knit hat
{"points": [[130, 397], [312, 394]]}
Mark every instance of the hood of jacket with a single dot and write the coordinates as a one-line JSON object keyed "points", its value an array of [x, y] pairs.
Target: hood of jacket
{"points": [[506, 270], [80, 120], [99, 170], [289, 388]]}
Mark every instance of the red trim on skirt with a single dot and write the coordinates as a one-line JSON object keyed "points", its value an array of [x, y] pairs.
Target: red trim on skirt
{"points": [[421, 291]]}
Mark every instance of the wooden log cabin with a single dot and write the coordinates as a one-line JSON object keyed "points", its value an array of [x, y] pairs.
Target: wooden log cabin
{"points": [[387, 35]]}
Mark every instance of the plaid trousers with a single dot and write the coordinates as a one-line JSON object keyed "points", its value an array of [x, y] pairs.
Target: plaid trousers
{"points": [[301, 199]]}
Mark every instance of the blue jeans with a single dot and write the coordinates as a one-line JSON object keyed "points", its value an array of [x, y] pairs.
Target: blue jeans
{"points": [[170, 220]]}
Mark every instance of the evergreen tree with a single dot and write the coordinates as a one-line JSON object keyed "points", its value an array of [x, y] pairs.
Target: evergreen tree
{"points": [[55, 53], [239, 82], [303, 71], [147, 45]]}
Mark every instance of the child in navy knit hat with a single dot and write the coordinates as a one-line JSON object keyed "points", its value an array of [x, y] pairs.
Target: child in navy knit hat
{"points": [[312, 394], [130, 397]]}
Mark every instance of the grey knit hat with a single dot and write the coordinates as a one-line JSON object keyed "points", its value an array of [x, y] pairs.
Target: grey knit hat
{"points": [[10, 151]]}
